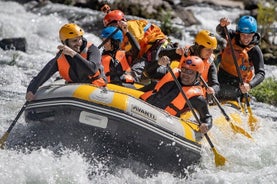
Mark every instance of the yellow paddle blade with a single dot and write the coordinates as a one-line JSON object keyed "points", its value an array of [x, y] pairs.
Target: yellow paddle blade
{"points": [[240, 130], [3, 140], [252, 120], [219, 159]]}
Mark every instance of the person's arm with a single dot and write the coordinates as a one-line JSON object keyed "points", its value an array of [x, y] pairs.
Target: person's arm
{"points": [[256, 56], [213, 79], [224, 22], [199, 103], [156, 70], [48, 70], [93, 60], [135, 49], [171, 53]]}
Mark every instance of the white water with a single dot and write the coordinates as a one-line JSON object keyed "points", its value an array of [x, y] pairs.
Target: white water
{"points": [[247, 161]]}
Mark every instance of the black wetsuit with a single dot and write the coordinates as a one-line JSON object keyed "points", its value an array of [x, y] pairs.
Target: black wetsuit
{"points": [[81, 68], [169, 91], [229, 84]]}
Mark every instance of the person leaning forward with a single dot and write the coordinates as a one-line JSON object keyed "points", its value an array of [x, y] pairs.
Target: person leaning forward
{"points": [[205, 44], [79, 61], [249, 58], [166, 94]]}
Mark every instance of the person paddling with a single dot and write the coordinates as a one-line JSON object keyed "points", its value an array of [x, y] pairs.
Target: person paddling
{"points": [[249, 58], [77, 62], [204, 45], [166, 94]]}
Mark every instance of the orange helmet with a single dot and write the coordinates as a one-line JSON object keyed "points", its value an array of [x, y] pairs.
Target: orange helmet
{"points": [[70, 30], [193, 63], [115, 15], [206, 39]]}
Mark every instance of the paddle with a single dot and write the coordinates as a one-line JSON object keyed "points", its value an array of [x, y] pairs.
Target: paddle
{"points": [[235, 128], [251, 120], [6, 134], [219, 159]]}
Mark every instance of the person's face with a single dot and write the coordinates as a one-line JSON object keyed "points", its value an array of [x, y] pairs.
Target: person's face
{"points": [[75, 43], [206, 53], [246, 38], [107, 45], [187, 76]]}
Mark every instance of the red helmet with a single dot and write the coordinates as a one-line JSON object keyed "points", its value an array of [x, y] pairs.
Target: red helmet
{"points": [[115, 15], [193, 63]]}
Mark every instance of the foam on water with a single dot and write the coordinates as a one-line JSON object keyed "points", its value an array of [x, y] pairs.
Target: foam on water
{"points": [[248, 161]]}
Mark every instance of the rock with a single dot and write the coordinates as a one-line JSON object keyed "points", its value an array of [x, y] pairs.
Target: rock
{"points": [[14, 44]]}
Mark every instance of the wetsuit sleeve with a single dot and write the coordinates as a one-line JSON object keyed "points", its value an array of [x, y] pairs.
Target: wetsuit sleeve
{"points": [[154, 70], [212, 78], [93, 60], [135, 49], [256, 56], [171, 53], [49, 69], [200, 105]]}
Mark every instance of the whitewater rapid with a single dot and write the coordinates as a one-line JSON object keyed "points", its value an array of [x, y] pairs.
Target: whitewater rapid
{"points": [[248, 161]]}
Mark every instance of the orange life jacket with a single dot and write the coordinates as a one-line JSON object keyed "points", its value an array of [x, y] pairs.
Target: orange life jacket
{"points": [[246, 67], [207, 63], [176, 106], [121, 57], [64, 67]]}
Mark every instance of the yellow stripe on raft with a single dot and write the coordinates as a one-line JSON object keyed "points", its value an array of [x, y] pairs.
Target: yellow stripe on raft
{"points": [[83, 92], [109, 98], [129, 91], [189, 129]]}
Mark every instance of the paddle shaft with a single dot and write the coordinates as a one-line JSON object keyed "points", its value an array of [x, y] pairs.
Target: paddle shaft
{"points": [[6, 134], [236, 63], [17, 117], [216, 100], [189, 104]]}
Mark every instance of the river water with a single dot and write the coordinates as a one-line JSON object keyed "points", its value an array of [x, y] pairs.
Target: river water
{"points": [[248, 161]]}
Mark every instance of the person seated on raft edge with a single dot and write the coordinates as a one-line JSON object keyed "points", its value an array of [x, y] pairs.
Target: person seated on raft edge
{"points": [[166, 94], [250, 60], [150, 38], [114, 60], [79, 62], [204, 45]]}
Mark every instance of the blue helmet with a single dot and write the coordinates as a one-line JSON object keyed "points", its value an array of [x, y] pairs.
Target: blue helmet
{"points": [[247, 24], [109, 30]]}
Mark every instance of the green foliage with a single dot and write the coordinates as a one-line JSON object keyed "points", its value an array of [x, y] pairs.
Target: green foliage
{"points": [[266, 16], [167, 25], [266, 92]]}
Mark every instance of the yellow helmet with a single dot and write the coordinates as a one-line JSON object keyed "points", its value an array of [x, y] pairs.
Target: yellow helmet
{"points": [[70, 30], [206, 39]]}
